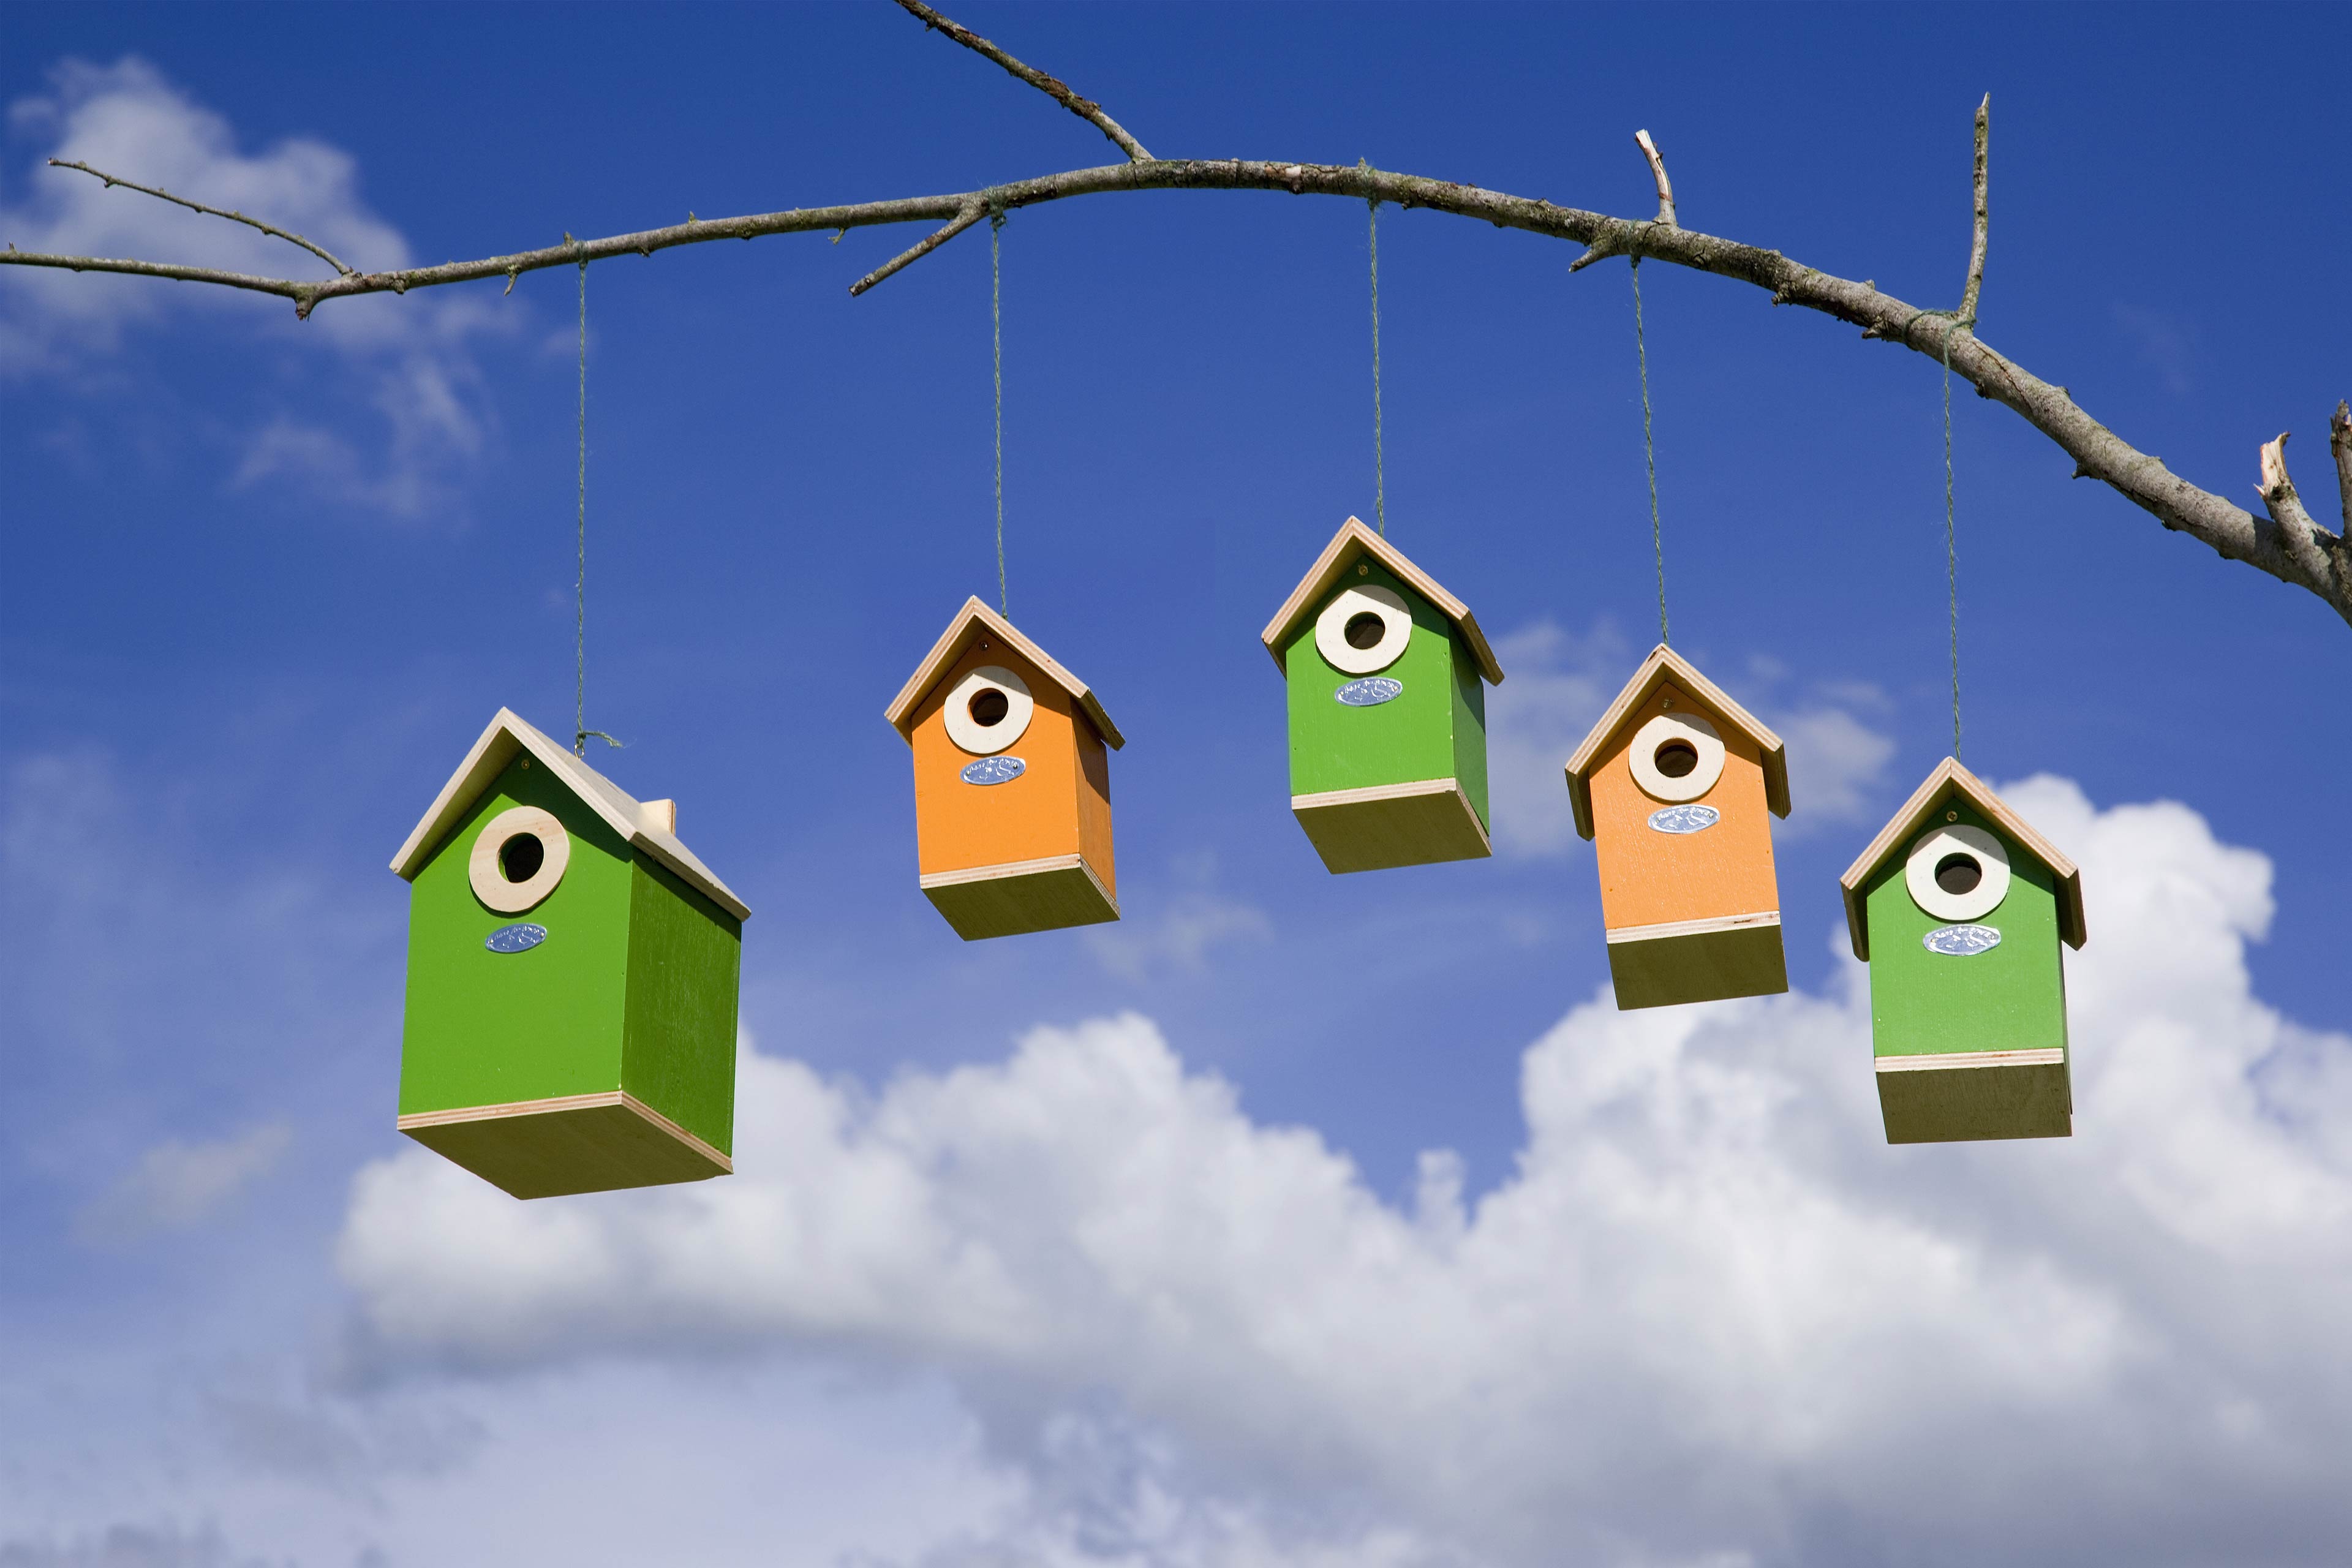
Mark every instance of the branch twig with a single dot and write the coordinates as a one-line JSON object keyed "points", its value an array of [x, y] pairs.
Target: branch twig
{"points": [[1086, 108], [2302, 539], [2339, 442], [1984, 218], [1658, 176], [321, 251], [914, 253]]}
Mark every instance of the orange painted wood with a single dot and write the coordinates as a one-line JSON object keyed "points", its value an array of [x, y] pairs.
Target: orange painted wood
{"points": [[1059, 805], [1648, 878]]}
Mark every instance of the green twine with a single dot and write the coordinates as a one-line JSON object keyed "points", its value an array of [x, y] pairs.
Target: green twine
{"points": [[1380, 462], [580, 731], [996, 328], [1649, 449], [1951, 543]]}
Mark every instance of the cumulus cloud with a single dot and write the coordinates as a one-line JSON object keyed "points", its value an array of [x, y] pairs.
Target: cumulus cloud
{"points": [[1710, 1317], [177, 1185], [405, 358]]}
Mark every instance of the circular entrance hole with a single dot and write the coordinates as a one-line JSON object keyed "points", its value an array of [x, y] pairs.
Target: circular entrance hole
{"points": [[1677, 759], [521, 857], [1365, 630], [989, 706], [1957, 874]]}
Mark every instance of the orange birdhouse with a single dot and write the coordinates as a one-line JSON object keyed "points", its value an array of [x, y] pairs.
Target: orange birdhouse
{"points": [[1011, 782], [1671, 786]]}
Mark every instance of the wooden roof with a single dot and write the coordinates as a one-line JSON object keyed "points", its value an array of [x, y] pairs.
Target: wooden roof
{"points": [[971, 623], [1352, 539], [509, 734], [1949, 780], [1663, 665]]}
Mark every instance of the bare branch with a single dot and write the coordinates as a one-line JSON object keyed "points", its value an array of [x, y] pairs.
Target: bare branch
{"points": [[962, 221], [2339, 441], [113, 180], [2096, 451], [1086, 108], [2302, 540], [1984, 218], [1658, 177]]}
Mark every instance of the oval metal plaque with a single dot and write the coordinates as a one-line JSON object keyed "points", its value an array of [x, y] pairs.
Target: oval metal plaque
{"points": [[1684, 819], [1961, 942], [1370, 691], [516, 938], [993, 771]]}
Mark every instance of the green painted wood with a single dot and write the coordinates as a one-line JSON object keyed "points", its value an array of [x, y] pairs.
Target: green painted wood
{"points": [[492, 1029], [2012, 998], [1434, 728], [1704, 966], [1011, 906], [684, 964], [590, 1148]]}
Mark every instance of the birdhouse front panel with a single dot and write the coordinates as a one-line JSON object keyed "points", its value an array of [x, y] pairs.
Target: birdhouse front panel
{"points": [[1968, 991], [571, 1010], [1388, 728], [1012, 799], [1683, 838]]}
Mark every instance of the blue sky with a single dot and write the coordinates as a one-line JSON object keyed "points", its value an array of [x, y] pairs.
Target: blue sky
{"points": [[265, 581]]}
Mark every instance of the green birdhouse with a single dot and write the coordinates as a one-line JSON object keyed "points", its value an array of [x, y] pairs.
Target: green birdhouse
{"points": [[1959, 906], [1388, 676], [572, 971]]}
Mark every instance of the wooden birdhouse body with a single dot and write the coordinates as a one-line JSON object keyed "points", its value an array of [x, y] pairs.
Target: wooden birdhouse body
{"points": [[570, 1020], [1689, 896], [1388, 732], [1968, 989], [1013, 821]]}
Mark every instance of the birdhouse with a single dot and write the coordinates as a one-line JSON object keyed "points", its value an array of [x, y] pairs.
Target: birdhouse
{"points": [[1387, 673], [572, 973], [1011, 782], [1676, 786], [1959, 906]]}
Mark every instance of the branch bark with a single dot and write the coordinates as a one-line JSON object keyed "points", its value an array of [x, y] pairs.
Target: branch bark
{"points": [[2312, 547], [1983, 233], [160, 194], [1086, 108], [1657, 162], [2339, 442], [2315, 561]]}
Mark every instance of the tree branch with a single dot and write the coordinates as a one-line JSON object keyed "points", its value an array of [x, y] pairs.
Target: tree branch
{"points": [[321, 252], [1086, 108], [1658, 176], [1984, 218], [2302, 540], [2270, 545], [2339, 442], [914, 253]]}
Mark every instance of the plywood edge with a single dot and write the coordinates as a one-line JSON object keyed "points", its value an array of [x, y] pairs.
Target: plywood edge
{"points": [[1667, 928], [1331, 797], [950, 646], [557, 1105], [1934, 1062], [1662, 663], [1951, 778], [929, 880], [1327, 570]]}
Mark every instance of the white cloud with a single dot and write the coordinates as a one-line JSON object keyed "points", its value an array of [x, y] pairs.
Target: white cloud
{"points": [[1176, 937], [176, 1185], [404, 357], [1710, 1318], [1836, 764]]}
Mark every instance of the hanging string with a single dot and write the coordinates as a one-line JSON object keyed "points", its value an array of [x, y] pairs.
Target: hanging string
{"points": [[1649, 449], [1951, 544], [580, 731], [1379, 464], [996, 328]]}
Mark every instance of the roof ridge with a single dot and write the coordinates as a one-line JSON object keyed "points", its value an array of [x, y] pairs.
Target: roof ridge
{"points": [[1329, 566], [950, 646]]}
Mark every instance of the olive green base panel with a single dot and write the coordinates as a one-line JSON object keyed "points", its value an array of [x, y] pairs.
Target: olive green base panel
{"points": [[1953, 1104], [1394, 825], [1025, 896], [582, 1143], [1674, 967]]}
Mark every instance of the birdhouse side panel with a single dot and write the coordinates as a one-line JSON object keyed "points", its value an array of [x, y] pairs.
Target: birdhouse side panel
{"points": [[488, 1028], [1093, 806], [961, 825], [1336, 745], [2009, 998], [1470, 728], [685, 976], [1652, 875]]}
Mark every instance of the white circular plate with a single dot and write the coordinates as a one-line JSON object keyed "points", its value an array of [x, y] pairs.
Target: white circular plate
{"points": [[482, 868], [1693, 731], [1992, 860], [1331, 629], [986, 740]]}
